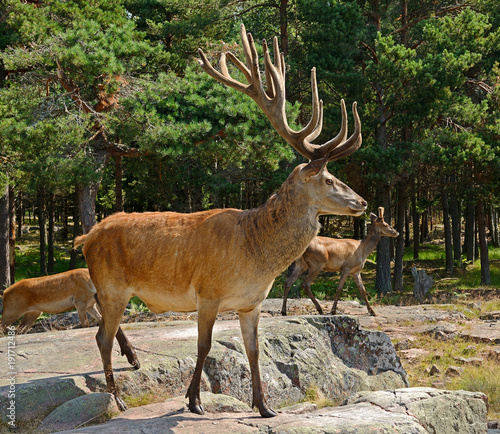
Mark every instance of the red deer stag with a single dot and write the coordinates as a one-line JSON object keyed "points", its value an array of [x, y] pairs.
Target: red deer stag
{"points": [[223, 259], [49, 294], [346, 256]]}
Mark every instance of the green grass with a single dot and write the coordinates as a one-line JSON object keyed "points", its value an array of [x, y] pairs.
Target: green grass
{"points": [[427, 252], [28, 257], [443, 354]]}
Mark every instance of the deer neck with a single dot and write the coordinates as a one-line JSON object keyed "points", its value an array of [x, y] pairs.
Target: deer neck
{"points": [[370, 242], [280, 230]]}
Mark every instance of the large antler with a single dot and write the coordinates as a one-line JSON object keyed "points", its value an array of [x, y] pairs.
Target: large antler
{"points": [[272, 101]]}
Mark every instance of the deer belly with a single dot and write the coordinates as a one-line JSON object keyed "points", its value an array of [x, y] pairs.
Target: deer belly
{"points": [[54, 306], [168, 301]]}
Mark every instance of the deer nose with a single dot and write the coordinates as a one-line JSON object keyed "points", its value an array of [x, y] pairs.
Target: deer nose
{"points": [[363, 203]]}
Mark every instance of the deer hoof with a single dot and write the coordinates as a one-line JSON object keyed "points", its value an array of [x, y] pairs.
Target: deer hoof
{"points": [[268, 413], [121, 405], [198, 409], [283, 312], [135, 363]]}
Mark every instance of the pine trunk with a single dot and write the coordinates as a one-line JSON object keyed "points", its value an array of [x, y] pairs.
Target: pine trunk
{"points": [[470, 231], [383, 270], [4, 240], [447, 228], [50, 238], [483, 245], [455, 224], [284, 26], [400, 240], [87, 196], [494, 226], [118, 183], [12, 236], [416, 221], [76, 231], [41, 224]]}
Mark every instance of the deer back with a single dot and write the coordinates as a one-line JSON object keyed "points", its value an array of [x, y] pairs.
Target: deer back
{"points": [[50, 294]]}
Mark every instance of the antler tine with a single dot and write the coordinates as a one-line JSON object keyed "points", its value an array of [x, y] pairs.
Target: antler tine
{"points": [[240, 65], [270, 92], [380, 212], [272, 100], [319, 127], [340, 137], [225, 79], [353, 143], [315, 124]]}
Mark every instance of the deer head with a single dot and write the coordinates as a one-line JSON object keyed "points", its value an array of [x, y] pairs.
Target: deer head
{"points": [[382, 228], [337, 198]]}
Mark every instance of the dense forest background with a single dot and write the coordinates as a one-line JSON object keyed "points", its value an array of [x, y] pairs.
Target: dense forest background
{"points": [[103, 108]]}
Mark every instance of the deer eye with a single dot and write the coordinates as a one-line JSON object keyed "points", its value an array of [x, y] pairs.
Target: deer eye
{"points": [[329, 181]]}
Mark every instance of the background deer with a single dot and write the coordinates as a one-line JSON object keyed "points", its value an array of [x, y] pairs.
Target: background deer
{"points": [[49, 294], [223, 259], [347, 256]]}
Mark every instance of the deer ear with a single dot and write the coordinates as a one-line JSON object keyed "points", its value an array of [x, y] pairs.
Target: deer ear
{"points": [[373, 217], [313, 168]]}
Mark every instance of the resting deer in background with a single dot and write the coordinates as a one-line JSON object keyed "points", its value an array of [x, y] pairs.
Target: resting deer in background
{"points": [[347, 256], [223, 259], [50, 294]]}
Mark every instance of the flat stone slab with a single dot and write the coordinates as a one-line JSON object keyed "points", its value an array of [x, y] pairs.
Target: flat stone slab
{"points": [[332, 354], [404, 411]]}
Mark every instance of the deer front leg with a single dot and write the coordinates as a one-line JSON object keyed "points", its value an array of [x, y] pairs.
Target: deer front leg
{"points": [[28, 320], [249, 322], [343, 276], [362, 290], [307, 282], [207, 312], [299, 268]]}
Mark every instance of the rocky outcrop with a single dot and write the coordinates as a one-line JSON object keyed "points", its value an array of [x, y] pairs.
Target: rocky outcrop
{"points": [[331, 356], [405, 411]]}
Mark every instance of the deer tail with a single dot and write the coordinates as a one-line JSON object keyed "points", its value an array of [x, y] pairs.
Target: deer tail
{"points": [[79, 241]]}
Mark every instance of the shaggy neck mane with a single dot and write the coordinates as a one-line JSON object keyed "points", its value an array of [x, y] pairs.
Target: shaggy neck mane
{"points": [[280, 230]]}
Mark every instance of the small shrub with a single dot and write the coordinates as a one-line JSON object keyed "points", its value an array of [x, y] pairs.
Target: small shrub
{"points": [[316, 396]]}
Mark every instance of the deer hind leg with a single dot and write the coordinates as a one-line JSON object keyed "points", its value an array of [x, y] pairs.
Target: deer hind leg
{"points": [[81, 308], [249, 322], [362, 290], [207, 312], [125, 347], [94, 313], [28, 320], [343, 277], [112, 311], [307, 282], [300, 267]]}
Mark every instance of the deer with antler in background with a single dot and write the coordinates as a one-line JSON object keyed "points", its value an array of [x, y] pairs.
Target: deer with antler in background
{"points": [[223, 259], [344, 255]]}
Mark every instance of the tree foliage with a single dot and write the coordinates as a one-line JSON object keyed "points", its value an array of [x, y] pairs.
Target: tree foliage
{"points": [[83, 82]]}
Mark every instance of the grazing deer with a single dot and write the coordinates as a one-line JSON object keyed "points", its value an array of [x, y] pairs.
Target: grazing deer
{"points": [[346, 256], [49, 294], [223, 259]]}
